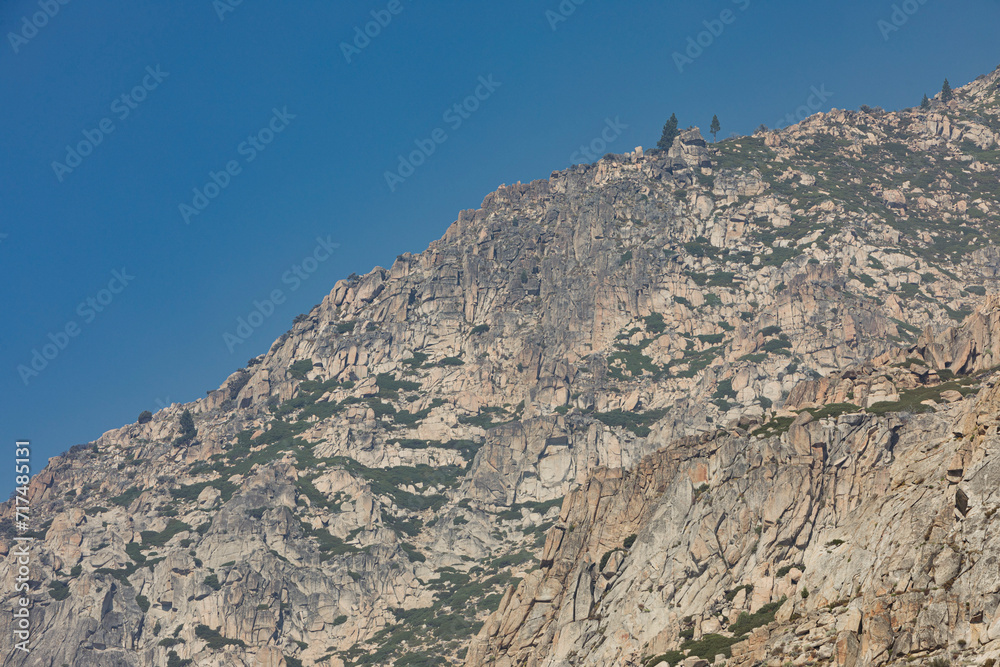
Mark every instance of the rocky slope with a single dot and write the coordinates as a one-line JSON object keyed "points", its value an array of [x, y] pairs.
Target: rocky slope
{"points": [[649, 337], [836, 536]]}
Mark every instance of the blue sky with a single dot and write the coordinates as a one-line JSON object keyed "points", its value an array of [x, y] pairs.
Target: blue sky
{"points": [[267, 92]]}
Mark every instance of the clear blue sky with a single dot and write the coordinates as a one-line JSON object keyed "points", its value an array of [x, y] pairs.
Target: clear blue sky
{"points": [[160, 337]]}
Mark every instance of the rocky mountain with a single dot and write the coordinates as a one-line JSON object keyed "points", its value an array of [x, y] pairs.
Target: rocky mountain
{"points": [[732, 399]]}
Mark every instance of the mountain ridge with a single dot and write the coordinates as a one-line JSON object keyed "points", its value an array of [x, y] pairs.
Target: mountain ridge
{"points": [[425, 419]]}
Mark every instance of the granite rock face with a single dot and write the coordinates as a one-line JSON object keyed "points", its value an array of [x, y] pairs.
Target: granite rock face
{"points": [[731, 397], [860, 539]]}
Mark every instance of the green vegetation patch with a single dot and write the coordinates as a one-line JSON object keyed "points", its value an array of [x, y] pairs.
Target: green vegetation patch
{"points": [[637, 422], [214, 639], [151, 538], [387, 482], [389, 386], [126, 498], [451, 619], [776, 426], [912, 399], [630, 359], [299, 368], [833, 410], [59, 590]]}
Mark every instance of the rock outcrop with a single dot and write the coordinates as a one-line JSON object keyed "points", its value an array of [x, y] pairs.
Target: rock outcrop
{"points": [[731, 398]]}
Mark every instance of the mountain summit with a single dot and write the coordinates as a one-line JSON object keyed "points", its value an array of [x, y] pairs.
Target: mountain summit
{"points": [[732, 399]]}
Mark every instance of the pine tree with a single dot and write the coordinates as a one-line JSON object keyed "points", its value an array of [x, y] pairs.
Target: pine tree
{"points": [[670, 132], [925, 103], [715, 127], [946, 93], [188, 430]]}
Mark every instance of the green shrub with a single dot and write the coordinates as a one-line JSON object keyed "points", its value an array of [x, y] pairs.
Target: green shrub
{"points": [[145, 417], [330, 546], [58, 590], [633, 421], [174, 660], [670, 657], [747, 623], [512, 560], [732, 593], [776, 426], [300, 368], [238, 382], [212, 581], [484, 420], [188, 431], [416, 361], [134, 551], [721, 279], [126, 498], [143, 602], [451, 361], [833, 410], [631, 359], [655, 323], [192, 491], [214, 640], [158, 539], [389, 387], [775, 345], [785, 569], [724, 390], [710, 645], [412, 553]]}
